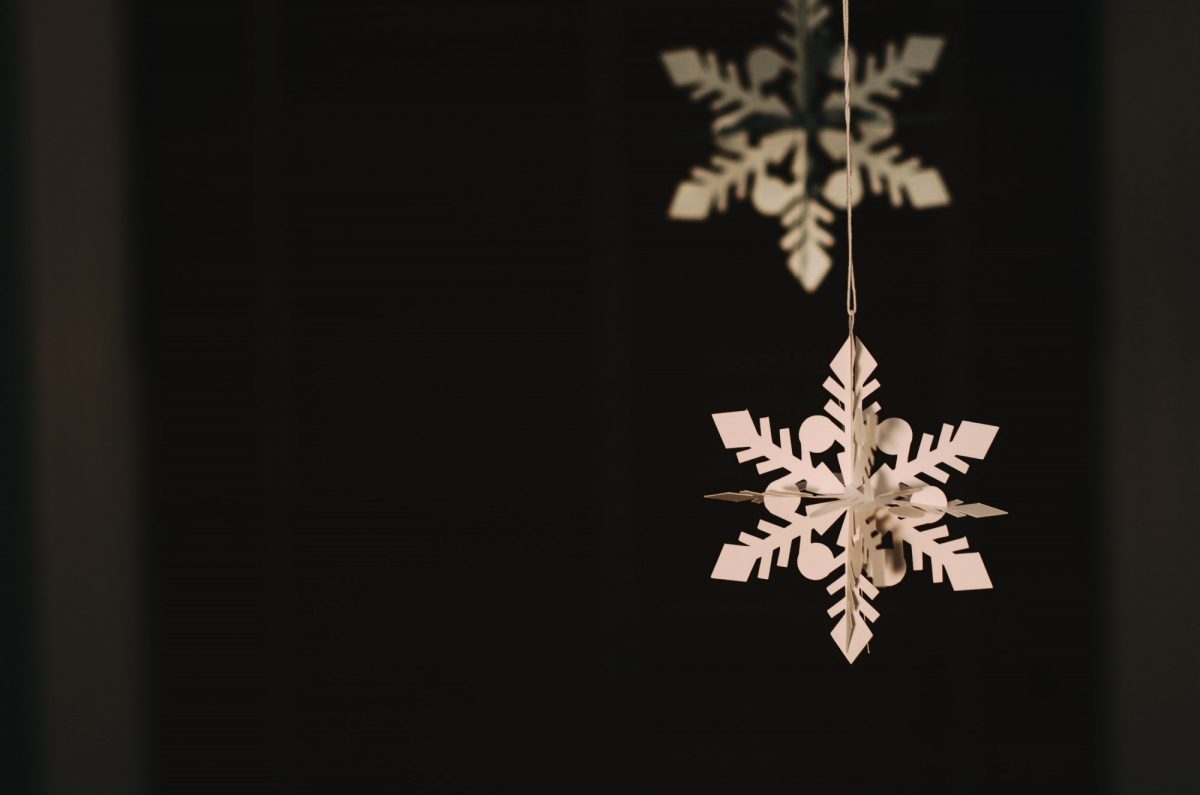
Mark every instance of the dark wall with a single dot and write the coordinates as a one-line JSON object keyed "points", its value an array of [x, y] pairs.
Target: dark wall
{"points": [[78, 495], [1151, 369], [428, 377], [17, 691]]}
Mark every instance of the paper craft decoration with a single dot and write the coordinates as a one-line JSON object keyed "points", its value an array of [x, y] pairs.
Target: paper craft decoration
{"points": [[778, 132], [876, 510]]}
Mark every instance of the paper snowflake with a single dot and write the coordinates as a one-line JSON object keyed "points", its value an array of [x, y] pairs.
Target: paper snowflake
{"points": [[779, 132], [879, 510]]}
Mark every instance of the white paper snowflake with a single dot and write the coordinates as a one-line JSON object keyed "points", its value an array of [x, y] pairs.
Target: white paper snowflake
{"points": [[779, 132], [880, 508]]}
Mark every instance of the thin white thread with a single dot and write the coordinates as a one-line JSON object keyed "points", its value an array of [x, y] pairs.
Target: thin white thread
{"points": [[851, 287], [851, 309]]}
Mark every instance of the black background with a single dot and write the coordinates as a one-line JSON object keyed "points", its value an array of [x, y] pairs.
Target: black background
{"points": [[428, 374]]}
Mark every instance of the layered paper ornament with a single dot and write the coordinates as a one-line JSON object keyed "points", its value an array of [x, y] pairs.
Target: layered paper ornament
{"points": [[778, 132], [874, 510]]}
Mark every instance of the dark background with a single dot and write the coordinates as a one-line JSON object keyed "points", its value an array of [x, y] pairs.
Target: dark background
{"points": [[418, 381]]}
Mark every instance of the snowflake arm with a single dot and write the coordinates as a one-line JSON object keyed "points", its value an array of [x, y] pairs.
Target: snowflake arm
{"points": [[886, 168], [807, 240], [729, 171], [898, 70], [802, 17], [852, 632], [971, 440], [737, 561], [966, 569], [739, 433], [846, 409], [729, 98], [903, 178]]}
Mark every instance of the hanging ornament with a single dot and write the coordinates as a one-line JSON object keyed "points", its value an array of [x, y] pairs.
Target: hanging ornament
{"points": [[873, 511], [777, 133], [878, 510]]}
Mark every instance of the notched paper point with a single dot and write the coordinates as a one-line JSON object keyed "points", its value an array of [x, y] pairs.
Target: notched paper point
{"points": [[732, 496], [975, 510], [735, 563]]}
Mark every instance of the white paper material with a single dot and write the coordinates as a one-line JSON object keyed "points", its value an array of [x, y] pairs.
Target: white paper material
{"points": [[778, 134], [875, 510]]}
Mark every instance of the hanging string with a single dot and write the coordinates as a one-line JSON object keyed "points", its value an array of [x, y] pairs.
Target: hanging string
{"points": [[856, 536], [851, 288]]}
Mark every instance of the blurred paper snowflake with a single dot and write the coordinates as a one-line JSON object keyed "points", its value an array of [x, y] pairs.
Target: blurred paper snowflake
{"points": [[779, 136], [881, 509]]}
